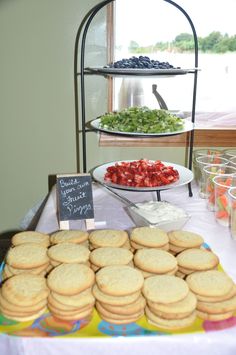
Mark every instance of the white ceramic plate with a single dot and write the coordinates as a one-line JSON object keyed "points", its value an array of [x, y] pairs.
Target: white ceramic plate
{"points": [[185, 176], [188, 126], [131, 71]]}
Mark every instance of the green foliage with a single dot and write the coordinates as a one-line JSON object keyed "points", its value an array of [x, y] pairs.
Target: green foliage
{"points": [[133, 46], [215, 42]]}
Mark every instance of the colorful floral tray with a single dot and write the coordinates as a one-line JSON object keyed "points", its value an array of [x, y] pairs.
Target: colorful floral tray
{"points": [[90, 327], [49, 326]]}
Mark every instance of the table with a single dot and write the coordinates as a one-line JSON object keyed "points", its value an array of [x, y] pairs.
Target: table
{"points": [[110, 213]]}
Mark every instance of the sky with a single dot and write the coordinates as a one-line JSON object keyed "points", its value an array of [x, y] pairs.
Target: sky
{"points": [[150, 21]]}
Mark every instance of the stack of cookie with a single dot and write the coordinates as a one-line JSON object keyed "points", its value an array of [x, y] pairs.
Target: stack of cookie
{"points": [[68, 253], [108, 238], [106, 256], [118, 294], [192, 260], [70, 236], [26, 258], [216, 294], [71, 296], [147, 237], [180, 240], [23, 297], [170, 304], [155, 262]]}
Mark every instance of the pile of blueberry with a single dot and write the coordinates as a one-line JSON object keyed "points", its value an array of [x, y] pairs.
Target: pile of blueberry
{"points": [[141, 62]]}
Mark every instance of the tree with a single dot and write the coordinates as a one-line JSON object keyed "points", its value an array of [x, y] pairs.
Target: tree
{"points": [[209, 42], [133, 46], [182, 37], [184, 42]]}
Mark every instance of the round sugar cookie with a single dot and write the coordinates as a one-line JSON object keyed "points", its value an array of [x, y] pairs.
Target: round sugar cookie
{"points": [[64, 307], [70, 236], [165, 315], [78, 300], [197, 259], [25, 289], [115, 300], [137, 246], [8, 306], [70, 279], [36, 270], [119, 280], [185, 239], [218, 307], [135, 307], [186, 305], [67, 312], [21, 313], [165, 289], [170, 323], [155, 260], [31, 237], [213, 299], [27, 256], [214, 317], [108, 238], [111, 256], [212, 283], [75, 315], [25, 318], [103, 312], [69, 253], [149, 237], [149, 274]]}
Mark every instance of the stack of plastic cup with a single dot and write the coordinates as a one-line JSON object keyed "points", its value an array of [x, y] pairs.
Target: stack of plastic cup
{"points": [[232, 198], [198, 153], [209, 172], [208, 160], [222, 185]]}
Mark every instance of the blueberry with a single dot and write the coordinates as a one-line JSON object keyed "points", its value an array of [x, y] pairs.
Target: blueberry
{"points": [[142, 62]]}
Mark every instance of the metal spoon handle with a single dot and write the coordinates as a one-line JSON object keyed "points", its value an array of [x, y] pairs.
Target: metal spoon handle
{"points": [[122, 198]]}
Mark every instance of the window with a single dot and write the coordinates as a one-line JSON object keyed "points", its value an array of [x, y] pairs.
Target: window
{"points": [[157, 29]]}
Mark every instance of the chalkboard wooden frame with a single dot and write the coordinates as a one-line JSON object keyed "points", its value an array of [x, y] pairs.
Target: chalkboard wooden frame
{"points": [[74, 199]]}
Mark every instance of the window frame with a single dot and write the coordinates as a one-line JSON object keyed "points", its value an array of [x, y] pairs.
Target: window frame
{"points": [[204, 136]]}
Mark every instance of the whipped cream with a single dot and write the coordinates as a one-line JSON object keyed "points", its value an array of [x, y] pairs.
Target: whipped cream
{"points": [[158, 211]]}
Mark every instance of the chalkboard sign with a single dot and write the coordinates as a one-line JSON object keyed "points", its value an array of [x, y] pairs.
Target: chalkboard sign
{"points": [[75, 198]]}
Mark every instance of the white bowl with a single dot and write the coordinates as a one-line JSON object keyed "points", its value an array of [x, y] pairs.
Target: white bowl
{"points": [[171, 222]]}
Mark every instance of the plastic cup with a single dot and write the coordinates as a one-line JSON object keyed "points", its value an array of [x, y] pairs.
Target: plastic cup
{"points": [[209, 172], [232, 198], [201, 152], [215, 161], [232, 161], [222, 185], [229, 153]]}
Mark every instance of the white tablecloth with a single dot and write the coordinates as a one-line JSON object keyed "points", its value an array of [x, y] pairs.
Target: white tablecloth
{"points": [[110, 213]]}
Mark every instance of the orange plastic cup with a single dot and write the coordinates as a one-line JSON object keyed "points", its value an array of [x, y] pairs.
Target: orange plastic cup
{"points": [[222, 185], [209, 172]]}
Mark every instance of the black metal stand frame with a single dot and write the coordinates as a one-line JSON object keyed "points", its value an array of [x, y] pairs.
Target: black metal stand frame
{"points": [[80, 48]]}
